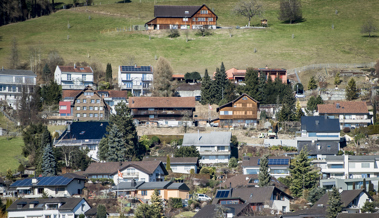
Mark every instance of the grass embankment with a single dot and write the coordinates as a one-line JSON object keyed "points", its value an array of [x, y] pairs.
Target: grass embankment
{"points": [[9, 150], [314, 40]]}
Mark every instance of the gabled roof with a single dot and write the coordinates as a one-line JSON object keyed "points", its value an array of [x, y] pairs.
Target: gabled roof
{"points": [[317, 212], [251, 194], [140, 185], [253, 161], [67, 203], [75, 69], [173, 11], [320, 124], [115, 93], [209, 211], [137, 69], [85, 130], [213, 138], [17, 72], [241, 180], [326, 147], [358, 215], [161, 102], [188, 87], [70, 93], [343, 107], [231, 103], [173, 160], [95, 92], [347, 196], [111, 168], [46, 181]]}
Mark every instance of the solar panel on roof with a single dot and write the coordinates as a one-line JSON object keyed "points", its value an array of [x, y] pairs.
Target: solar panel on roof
{"points": [[137, 69], [276, 161], [222, 194]]}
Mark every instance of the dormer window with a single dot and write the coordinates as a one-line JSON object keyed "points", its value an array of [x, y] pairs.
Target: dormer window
{"points": [[186, 12]]}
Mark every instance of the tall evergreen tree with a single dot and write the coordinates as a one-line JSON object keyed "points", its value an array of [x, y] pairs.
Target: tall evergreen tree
{"points": [[101, 211], [218, 85], [319, 100], [156, 203], [103, 149], [302, 173], [311, 106], [270, 92], [45, 141], [168, 163], [312, 83], [261, 96], [108, 73], [230, 92], [264, 176], [116, 144], [334, 203], [46, 72], [251, 81], [49, 165], [206, 89], [351, 90], [337, 79]]}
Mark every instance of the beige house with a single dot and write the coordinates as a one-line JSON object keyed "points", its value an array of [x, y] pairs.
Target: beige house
{"points": [[144, 190]]}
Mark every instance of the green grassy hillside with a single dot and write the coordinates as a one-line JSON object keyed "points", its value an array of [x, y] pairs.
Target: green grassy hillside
{"points": [[315, 41], [9, 149]]}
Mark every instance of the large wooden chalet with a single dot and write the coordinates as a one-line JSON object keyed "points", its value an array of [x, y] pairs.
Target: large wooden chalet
{"points": [[241, 111], [182, 17]]}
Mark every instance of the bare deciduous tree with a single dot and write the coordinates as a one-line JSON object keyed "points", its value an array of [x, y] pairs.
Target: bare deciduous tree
{"points": [[163, 86], [129, 60], [369, 27], [377, 67], [290, 10], [14, 59], [186, 33], [248, 8]]}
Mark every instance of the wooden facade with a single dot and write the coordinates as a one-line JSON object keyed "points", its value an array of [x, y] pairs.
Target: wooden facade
{"points": [[241, 111], [189, 18]]}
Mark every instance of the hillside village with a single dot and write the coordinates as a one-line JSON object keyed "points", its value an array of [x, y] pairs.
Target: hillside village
{"points": [[145, 141]]}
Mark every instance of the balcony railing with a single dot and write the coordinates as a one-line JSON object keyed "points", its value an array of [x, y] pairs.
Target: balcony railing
{"points": [[69, 142], [158, 112], [73, 86], [213, 152], [130, 175]]}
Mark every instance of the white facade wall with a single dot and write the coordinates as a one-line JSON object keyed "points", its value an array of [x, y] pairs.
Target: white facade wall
{"points": [[185, 169], [75, 81], [214, 154], [136, 80], [279, 204], [71, 189], [190, 93], [174, 123], [138, 175], [270, 168], [10, 87]]}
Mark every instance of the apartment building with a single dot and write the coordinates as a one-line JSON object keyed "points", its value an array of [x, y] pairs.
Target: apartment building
{"points": [[214, 147], [135, 79], [278, 166], [12, 83], [73, 77]]}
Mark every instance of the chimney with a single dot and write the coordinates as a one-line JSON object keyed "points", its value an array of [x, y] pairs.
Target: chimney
{"points": [[74, 65], [135, 65], [317, 122], [338, 105], [266, 67], [325, 116], [133, 183], [34, 181]]}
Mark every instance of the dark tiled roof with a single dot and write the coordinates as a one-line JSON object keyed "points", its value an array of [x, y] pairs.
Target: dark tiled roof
{"points": [[209, 211], [73, 176], [347, 196], [77, 69], [140, 185], [313, 147], [248, 181], [128, 185], [161, 102], [115, 93], [253, 161], [173, 160], [345, 107], [178, 186], [17, 72], [175, 11], [154, 185], [358, 215], [188, 87], [317, 212], [320, 124], [230, 103], [85, 130], [44, 181], [111, 168], [68, 203]]}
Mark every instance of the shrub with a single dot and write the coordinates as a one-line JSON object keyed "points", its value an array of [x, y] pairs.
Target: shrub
{"points": [[204, 170], [173, 33], [175, 203], [154, 141], [233, 162], [204, 31], [346, 130]]}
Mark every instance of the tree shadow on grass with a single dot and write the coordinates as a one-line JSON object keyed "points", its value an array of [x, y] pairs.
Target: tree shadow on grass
{"points": [[365, 36], [126, 1], [1, 39], [295, 22]]}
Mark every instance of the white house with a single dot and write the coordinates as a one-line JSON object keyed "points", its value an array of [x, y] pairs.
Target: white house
{"points": [[12, 83], [73, 77], [48, 207], [214, 147], [66, 185], [147, 171], [178, 164], [278, 166], [136, 79]]}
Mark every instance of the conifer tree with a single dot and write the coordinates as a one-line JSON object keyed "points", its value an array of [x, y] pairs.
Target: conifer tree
{"points": [[312, 83], [364, 185], [251, 81], [46, 73], [337, 79], [108, 73], [103, 149], [230, 92], [168, 163], [264, 176], [334, 203], [49, 165], [156, 203], [219, 85], [270, 92], [206, 89], [299, 111], [319, 100], [101, 211], [351, 90], [116, 143], [45, 141], [302, 173], [261, 96]]}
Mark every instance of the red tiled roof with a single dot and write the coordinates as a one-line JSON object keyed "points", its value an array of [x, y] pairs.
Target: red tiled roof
{"points": [[178, 76], [161, 102], [70, 93], [115, 93], [77, 69], [345, 107]]}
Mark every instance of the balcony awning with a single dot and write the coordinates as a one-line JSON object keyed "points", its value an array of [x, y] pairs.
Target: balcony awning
{"points": [[23, 188]]}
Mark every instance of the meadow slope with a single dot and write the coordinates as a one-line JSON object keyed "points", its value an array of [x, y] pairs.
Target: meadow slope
{"points": [[314, 40]]}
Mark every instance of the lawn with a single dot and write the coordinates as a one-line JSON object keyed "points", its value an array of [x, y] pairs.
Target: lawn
{"points": [[9, 149], [186, 214], [314, 40]]}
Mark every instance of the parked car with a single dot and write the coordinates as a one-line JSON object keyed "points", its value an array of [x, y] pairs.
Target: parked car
{"points": [[203, 197]]}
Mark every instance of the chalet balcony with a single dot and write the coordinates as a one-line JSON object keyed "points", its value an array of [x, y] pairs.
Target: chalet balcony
{"points": [[365, 121], [132, 87], [130, 175]]}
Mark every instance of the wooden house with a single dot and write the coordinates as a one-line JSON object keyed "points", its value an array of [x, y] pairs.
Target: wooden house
{"points": [[241, 111], [182, 17]]}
